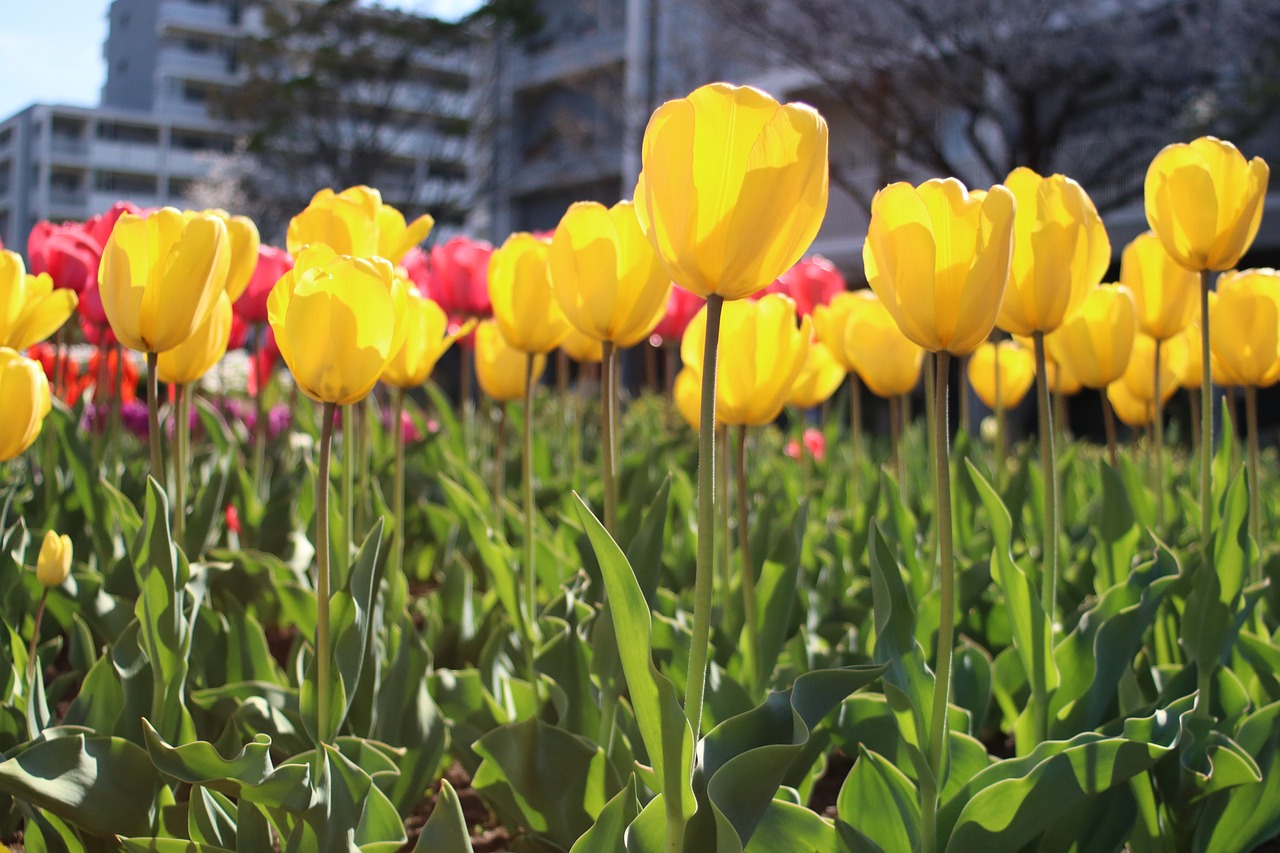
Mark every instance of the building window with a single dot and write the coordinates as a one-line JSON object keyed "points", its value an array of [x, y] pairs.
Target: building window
{"points": [[125, 183]]}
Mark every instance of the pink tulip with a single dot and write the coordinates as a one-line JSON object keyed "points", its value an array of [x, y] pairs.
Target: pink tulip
{"points": [[273, 263], [67, 252], [812, 282], [458, 277]]}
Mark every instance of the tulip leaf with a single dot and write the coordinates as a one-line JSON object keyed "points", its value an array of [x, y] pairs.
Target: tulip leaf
{"points": [[663, 727], [878, 808], [446, 828], [169, 845], [1242, 818], [489, 545], [1116, 527], [1209, 619], [787, 827], [104, 785], [645, 550], [608, 833]]}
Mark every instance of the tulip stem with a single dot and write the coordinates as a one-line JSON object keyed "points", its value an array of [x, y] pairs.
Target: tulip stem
{"points": [[530, 571], [1158, 426], [181, 433], [1206, 426], [748, 566], [397, 496], [464, 399], [608, 444], [895, 444], [115, 398], [938, 734], [695, 687], [722, 509], [260, 421], [855, 434], [35, 641], [1255, 504], [323, 687], [931, 432], [349, 419], [153, 418], [499, 464], [964, 395], [1109, 424], [1049, 473], [1002, 451]]}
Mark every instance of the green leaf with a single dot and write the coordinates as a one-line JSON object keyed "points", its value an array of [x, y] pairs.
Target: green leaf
{"points": [[169, 845], [663, 726], [787, 827], [645, 550], [1208, 622], [1242, 818], [446, 829], [496, 556], [878, 807], [1116, 527], [608, 833], [104, 785]]}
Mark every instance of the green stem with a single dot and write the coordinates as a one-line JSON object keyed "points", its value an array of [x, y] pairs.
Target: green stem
{"points": [[260, 422], [1206, 426], [607, 437], [898, 405], [182, 433], [931, 418], [1001, 440], [365, 416], [153, 418], [1255, 503], [938, 735], [964, 394], [1158, 426], [748, 567], [35, 641], [1049, 473], [1109, 424], [349, 419], [855, 435], [695, 687], [530, 571], [464, 400], [722, 509], [323, 657], [397, 488], [499, 464]]}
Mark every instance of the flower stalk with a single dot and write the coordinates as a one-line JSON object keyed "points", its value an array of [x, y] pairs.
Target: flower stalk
{"points": [[324, 688]]}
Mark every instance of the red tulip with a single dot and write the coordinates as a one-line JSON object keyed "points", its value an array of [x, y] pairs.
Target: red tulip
{"points": [[67, 252], [682, 305], [273, 263], [458, 277], [99, 227], [262, 361], [812, 282]]}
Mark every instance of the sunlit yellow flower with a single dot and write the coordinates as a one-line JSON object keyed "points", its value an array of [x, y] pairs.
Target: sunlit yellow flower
{"points": [[30, 308], [1205, 202], [687, 390], [762, 351], [1140, 374], [24, 399], [1244, 328], [243, 234], [1097, 341], [161, 276], [520, 288], [193, 358], [426, 339], [1165, 293], [888, 362], [819, 378], [733, 187], [938, 258], [581, 348], [831, 323], [1001, 373], [1132, 410], [356, 222], [1061, 377], [500, 367], [54, 563], [338, 320], [605, 275], [1060, 252], [1192, 371]]}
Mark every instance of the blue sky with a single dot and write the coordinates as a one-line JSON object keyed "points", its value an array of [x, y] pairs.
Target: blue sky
{"points": [[51, 50]]}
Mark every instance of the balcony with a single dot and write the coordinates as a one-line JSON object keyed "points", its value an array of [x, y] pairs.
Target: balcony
{"points": [[125, 156], [210, 67], [197, 17], [440, 191], [567, 59], [63, 148]]}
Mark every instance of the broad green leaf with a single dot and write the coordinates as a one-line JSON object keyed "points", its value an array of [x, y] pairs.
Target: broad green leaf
{"points": [[787, 827], [608, 833], [1242, 818], [1116, 528], [878, 807], [1208, 622], [169, 845], [446, 829]]}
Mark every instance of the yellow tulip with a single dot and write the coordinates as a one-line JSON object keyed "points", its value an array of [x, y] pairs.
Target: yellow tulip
{"points": [[938, 258], [582, 348], [355, 222], [1134, 411], [732, 189], [1008, 361], [1193, 365], [161, 276], [1244, 328], [30, 308], [1095, 344], [338, 320], [1060, 252], [54, 563], [1165, 293], [687, 390], [427, 338], [1205, 202], [888, 362], [24, 398], [1061, 378], [520, 288], [831, 323], [500, 367], [762, 351], [243, 234], [605, 275], [1140, 374], [819, 378], [193, 358]]}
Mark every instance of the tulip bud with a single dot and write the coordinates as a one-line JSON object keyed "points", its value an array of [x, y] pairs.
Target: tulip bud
{"points": [[54, 563], [355, 222], [427, 338], [819, 378], [500, 367], [1244, 327], [1165, 293], [523, 304], [1096, 343]]}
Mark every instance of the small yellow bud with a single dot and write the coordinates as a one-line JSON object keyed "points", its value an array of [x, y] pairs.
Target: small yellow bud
{"points": [[54, 563]]}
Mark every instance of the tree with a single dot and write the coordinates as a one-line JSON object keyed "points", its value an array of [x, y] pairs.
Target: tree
{"points": [[1088, 88]]}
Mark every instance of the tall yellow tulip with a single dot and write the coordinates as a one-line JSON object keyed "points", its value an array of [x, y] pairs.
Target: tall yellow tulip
{"points": [[887, 360], [686, 390], [520, 288], [605, 275], [831, 323], [1001, 373], [732, 188], [30, 308], [583, 349], [764, 353], [25, 400], [161, 276], [938, 255], [1060, 252], [1097, 341], [243, 234], [355, 222], [193, 358], [1189, 377], [1204, 202], [338, 320], [1133, 410], [1140, 374], [426, 339], [1164, 291], [818, 379], [500, 367], [1244, 319]]}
